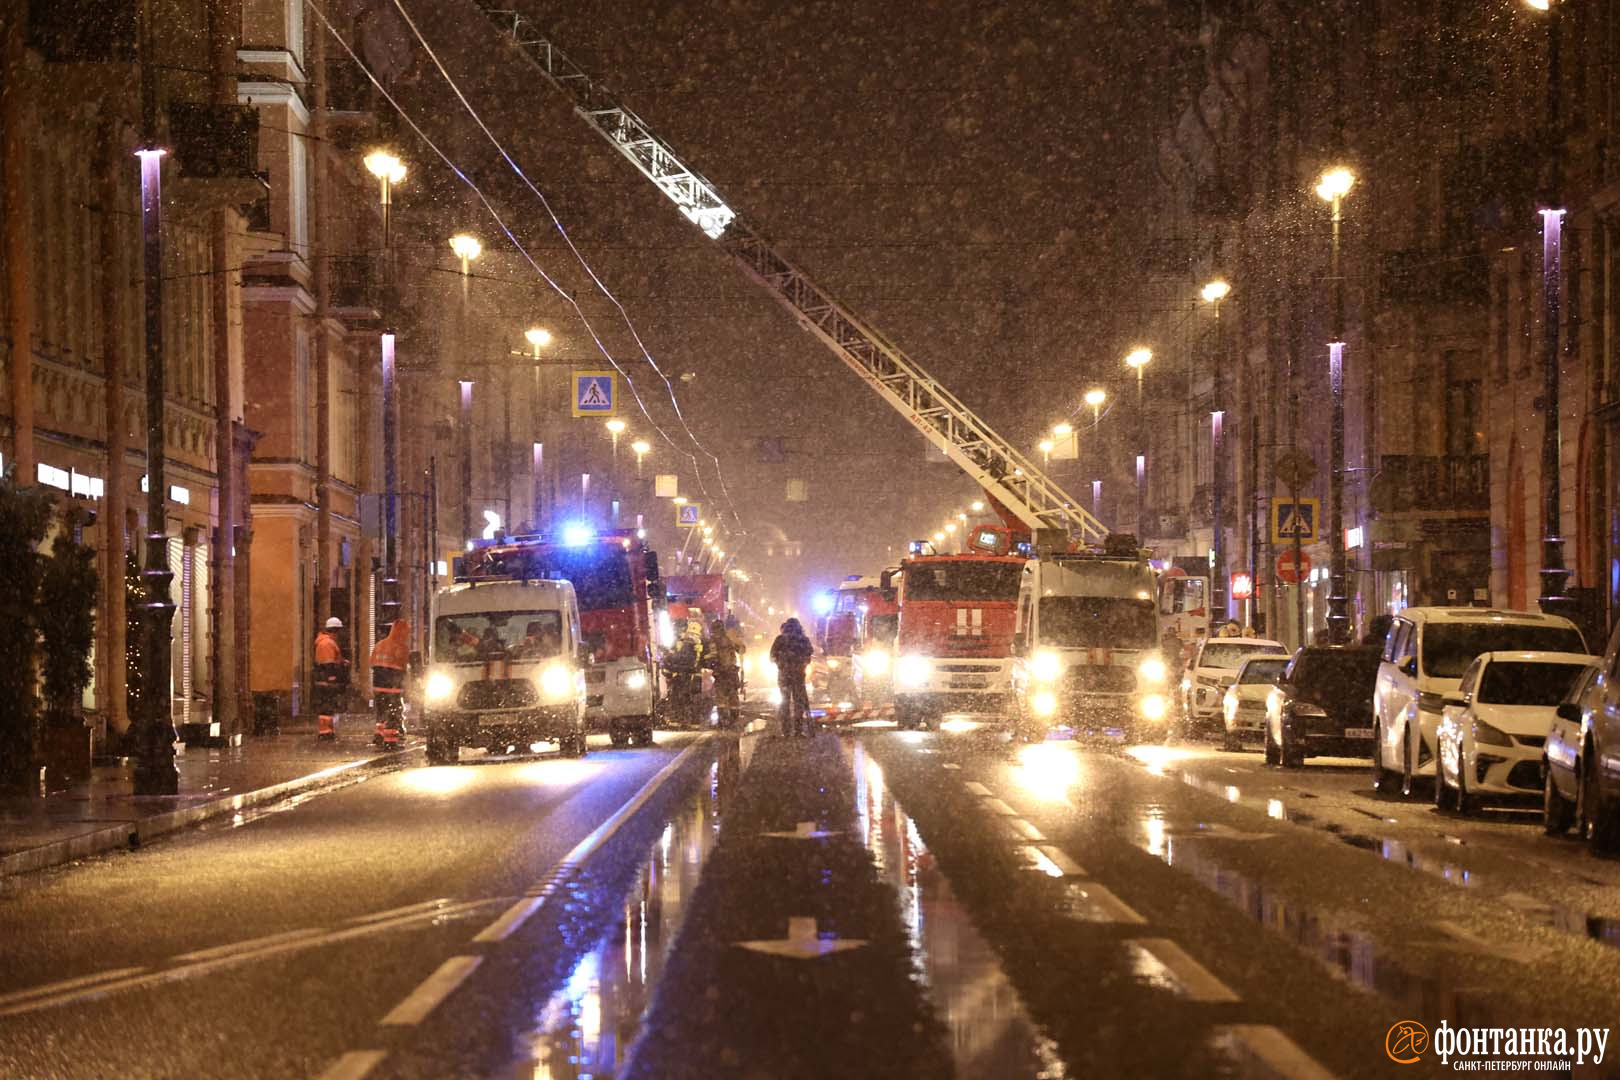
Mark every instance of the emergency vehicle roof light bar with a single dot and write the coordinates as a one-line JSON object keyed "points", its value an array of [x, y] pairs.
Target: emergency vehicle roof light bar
{"points": [[1007, 476]]}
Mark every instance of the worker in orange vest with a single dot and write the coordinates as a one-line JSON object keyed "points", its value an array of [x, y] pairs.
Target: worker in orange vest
{"points": [[389, 658], [331, 677]]}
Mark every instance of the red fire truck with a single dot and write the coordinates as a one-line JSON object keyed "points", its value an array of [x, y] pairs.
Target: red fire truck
{"points": [[953, 652], [621, 600], [697, 596]]}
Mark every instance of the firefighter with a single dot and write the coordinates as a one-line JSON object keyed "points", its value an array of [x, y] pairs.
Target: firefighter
{"points": [[725, 658], [331, 677], [389, 659], [791, 653]]}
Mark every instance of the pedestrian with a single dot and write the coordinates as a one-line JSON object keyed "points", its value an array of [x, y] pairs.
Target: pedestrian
{"points": [[389, 659], [791, 653], [1378, 629], [331, 678], [725, 658]]}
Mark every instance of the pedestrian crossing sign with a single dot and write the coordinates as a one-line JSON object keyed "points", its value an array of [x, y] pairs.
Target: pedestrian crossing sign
{"points": [[596, 393], [688, 515], [1295, 519]]}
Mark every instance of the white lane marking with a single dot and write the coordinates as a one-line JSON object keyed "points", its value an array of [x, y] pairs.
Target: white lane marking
{"points": [[512, 918], [1274, 1050], [1039, 860], [998, 807], [1109, 907], [354, 1065], [952, 765], [408, 909], [68, 984], [1025, 830], [1061, 860], [516, 915], [433, 990], [1194, 979], [250, 945], [63, 996], [977, 788]]}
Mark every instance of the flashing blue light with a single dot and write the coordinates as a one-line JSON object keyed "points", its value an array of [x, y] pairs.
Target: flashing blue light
{"points": [[577, 534], [823, 603]]}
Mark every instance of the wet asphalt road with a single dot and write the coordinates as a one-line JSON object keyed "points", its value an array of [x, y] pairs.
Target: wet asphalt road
{"points": [[1068, 910]]}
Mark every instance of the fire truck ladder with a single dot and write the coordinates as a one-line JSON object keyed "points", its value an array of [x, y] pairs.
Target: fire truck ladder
{"points": [[1009, 478]]}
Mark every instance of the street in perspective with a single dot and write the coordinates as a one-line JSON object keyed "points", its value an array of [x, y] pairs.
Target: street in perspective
{"points": [[727, 539]]}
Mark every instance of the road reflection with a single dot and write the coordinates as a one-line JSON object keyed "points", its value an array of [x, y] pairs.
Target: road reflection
{"points": [[991, 1033]]}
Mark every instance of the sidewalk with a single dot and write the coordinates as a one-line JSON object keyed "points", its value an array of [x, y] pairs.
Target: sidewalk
{"points": [[104, 813]]}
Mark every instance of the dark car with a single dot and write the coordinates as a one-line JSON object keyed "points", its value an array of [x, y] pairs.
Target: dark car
{"points": [[1323, 705]]}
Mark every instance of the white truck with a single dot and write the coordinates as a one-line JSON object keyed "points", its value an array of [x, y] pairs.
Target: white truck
{"points": [[507, 668], [1086, 647]]}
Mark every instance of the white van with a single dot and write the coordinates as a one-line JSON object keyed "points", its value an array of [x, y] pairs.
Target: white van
{"points": [[507, 668], [1424, 658]]}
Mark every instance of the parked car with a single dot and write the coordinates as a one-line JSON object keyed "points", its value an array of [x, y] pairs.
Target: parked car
{"points": [[1489, 741], [1244, 704], [1214, 665], [1322, 705], [1583, 758], [1560, 757], [1423, 660]]}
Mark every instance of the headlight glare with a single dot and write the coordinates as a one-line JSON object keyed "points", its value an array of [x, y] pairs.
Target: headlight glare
{"points": [[634, 680], [1046, 665], [1152, 670], [875, 660], [1043, 703], [913, 671], [439, 687], [556, 682], [1154, 706]]}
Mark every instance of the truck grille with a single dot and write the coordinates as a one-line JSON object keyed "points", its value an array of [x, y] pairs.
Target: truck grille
{"points": [[497, 694], [969, 669], [1101, 679]]}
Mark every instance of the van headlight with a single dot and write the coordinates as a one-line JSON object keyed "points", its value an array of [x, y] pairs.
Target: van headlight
{"points": [[913, 671], [1152, 670], [556, 683], [1043, 703], [875, 661], [633, 680], [1154, 706], [439, 688], [1046, 666], [832, 663]]}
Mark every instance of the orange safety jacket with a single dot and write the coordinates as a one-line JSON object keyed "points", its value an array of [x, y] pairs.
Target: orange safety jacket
{"points": [[389, 658]]}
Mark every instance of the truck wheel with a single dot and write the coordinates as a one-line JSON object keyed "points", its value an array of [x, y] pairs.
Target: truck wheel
{"points": [[643, 734], [573, 745], [619, 737], [442, 750]]}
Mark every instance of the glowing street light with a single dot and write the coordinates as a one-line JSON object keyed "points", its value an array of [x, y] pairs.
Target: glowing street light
{"points": [[466, 248], [641, 447], [1045, 446], [1095, 398], [978, 506], [1215, 292], [538, 338], [1062, 429]]}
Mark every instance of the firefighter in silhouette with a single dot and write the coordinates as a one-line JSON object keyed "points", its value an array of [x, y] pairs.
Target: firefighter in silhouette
{"points": [[389, 659], [791, 653], [724, 658], [331, 677]]}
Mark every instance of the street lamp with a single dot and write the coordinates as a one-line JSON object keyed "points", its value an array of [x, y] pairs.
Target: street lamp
{"points": [[640, 447], [1062, 429], [1334, 185], [1045, 446], [1213, 293], [389, 170], [465, 248], [1138, 360], [538, 338], [1095, 398], [615, 428], [978, 506]]}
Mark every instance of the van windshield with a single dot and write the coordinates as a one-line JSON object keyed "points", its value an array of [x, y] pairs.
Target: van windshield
{"points": [[1448, 648], [497, 635], [1098, 622]]}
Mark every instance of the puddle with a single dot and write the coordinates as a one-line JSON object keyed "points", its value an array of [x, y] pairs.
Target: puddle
{"points": [[990, 1031], [586, 1030]]}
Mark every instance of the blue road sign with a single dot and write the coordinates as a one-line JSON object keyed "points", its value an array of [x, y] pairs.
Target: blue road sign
{"points": [[596, 393]]}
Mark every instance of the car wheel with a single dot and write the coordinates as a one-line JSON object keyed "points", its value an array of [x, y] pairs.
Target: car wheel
{"points": [[1442, 789], [1383, 779], [1598, 822], [619, 738], [1557, 812], [1293, 757], [1273, 755], [1467, 805]]}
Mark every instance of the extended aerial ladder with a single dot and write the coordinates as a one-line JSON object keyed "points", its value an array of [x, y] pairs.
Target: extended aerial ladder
{"points": [[1020, 490]]}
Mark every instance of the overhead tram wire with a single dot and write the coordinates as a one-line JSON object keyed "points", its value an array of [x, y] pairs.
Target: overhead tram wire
{"points": [[580, 258], [500, 223]]}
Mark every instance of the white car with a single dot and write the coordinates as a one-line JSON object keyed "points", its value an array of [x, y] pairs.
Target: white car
{"points": [[1491, 732], [1214, 667], [1244, 704], [1424, 657]]}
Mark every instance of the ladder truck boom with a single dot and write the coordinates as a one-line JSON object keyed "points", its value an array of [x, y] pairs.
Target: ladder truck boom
{"points": [[1015, 484]]}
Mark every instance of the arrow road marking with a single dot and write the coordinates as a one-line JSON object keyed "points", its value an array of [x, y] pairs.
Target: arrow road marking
{"points": [[802, 942]]}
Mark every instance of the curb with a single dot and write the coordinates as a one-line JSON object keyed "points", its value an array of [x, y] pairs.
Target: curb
{"points": [[132, 834]]}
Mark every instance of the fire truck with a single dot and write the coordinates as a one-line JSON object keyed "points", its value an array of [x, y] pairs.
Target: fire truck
{"points": [[621, 603], [697, 596], [953, 651], [841, 634]]}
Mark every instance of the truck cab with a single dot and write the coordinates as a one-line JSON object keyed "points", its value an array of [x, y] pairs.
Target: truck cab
{"points": [[506, 670], [1086, 641], [953, 648]]}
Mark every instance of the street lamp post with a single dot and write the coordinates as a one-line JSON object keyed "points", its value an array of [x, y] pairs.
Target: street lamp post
{"points": [[389, 170], [1138, 360], [1213, 293], [1335, 184], [538, 338], [1095, 398], [464, 422]]}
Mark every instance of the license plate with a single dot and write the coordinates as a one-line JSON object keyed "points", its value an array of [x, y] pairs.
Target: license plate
{"points": [[969, 684], [1358, 732]]}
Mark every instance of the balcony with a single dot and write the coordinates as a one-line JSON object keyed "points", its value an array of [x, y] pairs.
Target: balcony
{"points": [[1408, 482], [215, 142], [1435, 276], [353, 289]]}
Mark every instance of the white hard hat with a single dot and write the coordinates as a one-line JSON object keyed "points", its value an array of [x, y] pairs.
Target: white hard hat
{"points": [[334, 623]]}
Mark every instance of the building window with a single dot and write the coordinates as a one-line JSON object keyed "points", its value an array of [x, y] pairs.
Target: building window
{"points": [[1465, 421]]}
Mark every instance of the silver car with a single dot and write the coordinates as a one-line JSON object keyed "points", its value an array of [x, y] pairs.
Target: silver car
{"points": [[1581, 759]]}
